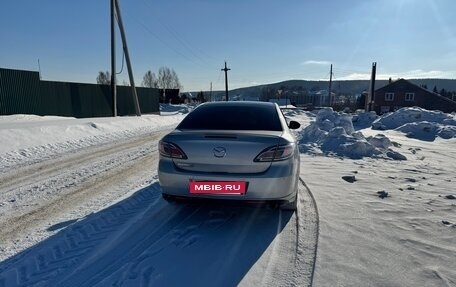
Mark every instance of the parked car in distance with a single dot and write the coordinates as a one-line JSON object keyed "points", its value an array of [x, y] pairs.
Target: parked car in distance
{"points": [[232, 150]]}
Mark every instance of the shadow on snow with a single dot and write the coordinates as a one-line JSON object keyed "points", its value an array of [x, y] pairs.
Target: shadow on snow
{"points": [[144, 240]]}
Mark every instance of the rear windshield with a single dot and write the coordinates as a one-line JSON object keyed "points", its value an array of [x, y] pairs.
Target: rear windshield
{"points": [[233, 117]]}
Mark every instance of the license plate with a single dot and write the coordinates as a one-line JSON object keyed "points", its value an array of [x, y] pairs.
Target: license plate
{"points": [[218, 187]]}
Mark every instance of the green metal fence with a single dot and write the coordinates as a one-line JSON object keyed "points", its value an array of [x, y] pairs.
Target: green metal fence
{"points": [[19, 92], [22, 92]]}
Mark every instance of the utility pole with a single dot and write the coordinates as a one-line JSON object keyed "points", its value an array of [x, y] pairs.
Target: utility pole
{"points": [[226, 81], [127, 58], [371, 92], [210, 94], [330, 85], [113, 60], [39, 68]]}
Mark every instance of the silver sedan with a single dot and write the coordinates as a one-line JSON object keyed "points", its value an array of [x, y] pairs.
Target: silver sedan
{"points": [[232, 150]]}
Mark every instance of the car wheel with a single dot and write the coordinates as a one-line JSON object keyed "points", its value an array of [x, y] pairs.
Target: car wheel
{"points": [[167, 197], [273, 205], [291, 205]]}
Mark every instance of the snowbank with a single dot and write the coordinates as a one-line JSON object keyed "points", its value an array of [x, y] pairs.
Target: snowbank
{"points": [[167, 110], [364, 120], [340, 134], [27, 138], [333, 133], [419, 123], [322, 132]]}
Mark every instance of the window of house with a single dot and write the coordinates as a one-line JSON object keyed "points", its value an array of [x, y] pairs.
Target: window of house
{"points": [[409, 97], [389, 96]]}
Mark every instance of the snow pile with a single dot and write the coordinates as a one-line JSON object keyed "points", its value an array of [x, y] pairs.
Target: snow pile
{"points": [[29, 138], [287, 107], [299, 115], [364, 120], [419, 123], [166, 109], [333, 133]]}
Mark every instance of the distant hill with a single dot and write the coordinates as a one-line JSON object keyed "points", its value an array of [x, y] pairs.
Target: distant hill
{"points": [[447, 84], [352, 87]]}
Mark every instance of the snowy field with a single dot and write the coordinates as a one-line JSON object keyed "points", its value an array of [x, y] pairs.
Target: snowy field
{"points": [[385, 197], [80, 205]]}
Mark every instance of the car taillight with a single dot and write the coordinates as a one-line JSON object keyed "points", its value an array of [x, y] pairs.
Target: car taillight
{"points": [[275, 153], [171, 150]]}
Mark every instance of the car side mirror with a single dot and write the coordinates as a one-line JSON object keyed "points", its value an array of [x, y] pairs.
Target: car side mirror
{"points": [[294, 125]]}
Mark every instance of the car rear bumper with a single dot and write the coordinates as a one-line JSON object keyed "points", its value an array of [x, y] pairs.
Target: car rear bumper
{"points": [[279, 182]]}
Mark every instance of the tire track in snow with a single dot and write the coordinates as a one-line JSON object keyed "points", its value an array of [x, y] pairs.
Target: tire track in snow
{"points": [[72, 183], [21, 177], [280, 260], [292, 255], [132, 242], [24, 158], [182, 237], [145, 241], [64, 251], [308, 232]]}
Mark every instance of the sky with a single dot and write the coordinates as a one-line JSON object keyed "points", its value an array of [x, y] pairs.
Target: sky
{"points": [[261, 41]]}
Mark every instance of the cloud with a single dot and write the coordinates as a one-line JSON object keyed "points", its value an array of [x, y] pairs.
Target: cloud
{"points": [[429, 74], [412, 74], [355, 76], [313, 62]]}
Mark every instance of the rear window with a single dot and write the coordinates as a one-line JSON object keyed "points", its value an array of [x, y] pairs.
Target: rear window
{"points": [[232, 117]]}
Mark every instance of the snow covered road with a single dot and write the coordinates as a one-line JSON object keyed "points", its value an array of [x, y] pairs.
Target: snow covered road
{"points": [[71, 185], [143, 241], [94, 216]]}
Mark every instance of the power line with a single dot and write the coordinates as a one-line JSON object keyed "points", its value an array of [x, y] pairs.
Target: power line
{"points": [[191, 56], [147, 29], [180, 39], [219, 76], [123, 52], [168, 46], [123, 60]]}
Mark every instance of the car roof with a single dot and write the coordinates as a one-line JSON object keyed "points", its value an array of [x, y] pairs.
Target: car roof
{"points": [[239, 103]]}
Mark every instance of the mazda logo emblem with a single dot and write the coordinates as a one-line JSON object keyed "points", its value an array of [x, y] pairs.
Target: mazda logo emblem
{"points": [[219, 151]]}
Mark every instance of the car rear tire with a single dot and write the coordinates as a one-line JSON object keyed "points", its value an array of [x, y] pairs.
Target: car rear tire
{"points": [[167, 197], [291, 205]]}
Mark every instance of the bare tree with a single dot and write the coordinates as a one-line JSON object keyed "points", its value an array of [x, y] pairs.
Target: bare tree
{"points": [[168, 79], [104, 78], [175, 83], [150, 80]]}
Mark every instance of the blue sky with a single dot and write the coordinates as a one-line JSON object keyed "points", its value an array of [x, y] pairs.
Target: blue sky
{"points": [[262, 41]]}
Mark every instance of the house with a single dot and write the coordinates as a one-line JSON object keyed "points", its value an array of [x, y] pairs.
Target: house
{"points": [[319, 98], [402, 93]]}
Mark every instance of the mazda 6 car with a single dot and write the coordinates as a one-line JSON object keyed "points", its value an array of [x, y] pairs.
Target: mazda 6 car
{"points": [[232, 150]]}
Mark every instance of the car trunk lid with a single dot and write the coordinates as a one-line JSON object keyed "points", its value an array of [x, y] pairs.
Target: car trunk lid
{"points": [[223, 151]]}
